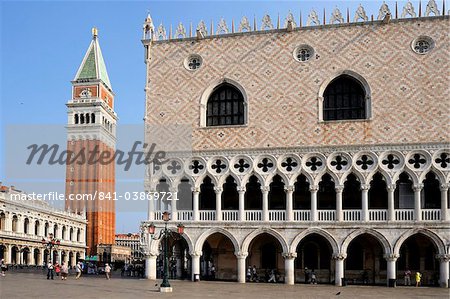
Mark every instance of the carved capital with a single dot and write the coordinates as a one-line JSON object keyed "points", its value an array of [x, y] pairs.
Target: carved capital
{"points": [[391, 187], [218, 189], [443, 257], [289, 188], [339, 256], [196, 253], [241, 189], [313, 188], [391, 257], [444, 187], [417, 187], [241, 254], [365, 187], [265, 188], [289, 255], [339, 188], [195, 189]]}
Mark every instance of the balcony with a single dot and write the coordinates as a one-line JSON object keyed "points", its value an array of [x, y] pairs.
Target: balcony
{"points": [[305, 216]]}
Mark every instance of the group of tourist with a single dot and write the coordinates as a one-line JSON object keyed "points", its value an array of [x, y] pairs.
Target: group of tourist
{"points": [[417, 276], [63, 269], [270, 275]]}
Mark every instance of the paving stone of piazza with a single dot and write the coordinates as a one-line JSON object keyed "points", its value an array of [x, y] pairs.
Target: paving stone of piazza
{"points": [[33, 285]]}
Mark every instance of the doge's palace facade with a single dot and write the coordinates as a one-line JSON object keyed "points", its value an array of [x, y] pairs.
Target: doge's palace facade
{"points": [[322, 147]]}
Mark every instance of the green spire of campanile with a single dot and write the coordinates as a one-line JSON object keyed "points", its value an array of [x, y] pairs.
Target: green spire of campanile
{"points": [[93, 66]]}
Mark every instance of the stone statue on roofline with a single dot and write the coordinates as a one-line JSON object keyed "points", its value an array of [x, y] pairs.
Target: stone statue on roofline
{"points": [[181, 31], [360, 14], [201, 27], [244, 25], [290, 18], [408, 9], [313, 18], [266, 22], [222, 27], [432, 8], [161, 32], [336, 15], [384, 10]]}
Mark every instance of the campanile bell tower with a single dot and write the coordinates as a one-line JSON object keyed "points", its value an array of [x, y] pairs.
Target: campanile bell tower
{"points": [[91, 132]]}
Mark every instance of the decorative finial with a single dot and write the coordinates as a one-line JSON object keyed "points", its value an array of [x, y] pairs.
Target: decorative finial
{"points": [[94, 32]]}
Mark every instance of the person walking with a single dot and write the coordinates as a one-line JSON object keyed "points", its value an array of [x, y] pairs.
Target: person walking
{"points": [[254, 274], [418, 278], [78, 270], [249, 273], [3, 267], [57, 268], [64, 271], [49, 270], [107, 271], [407, 277], [313, 277], [272, 277]]}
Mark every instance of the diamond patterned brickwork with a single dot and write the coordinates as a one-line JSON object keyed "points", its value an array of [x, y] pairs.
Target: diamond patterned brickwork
{"points": [[409, 91]]}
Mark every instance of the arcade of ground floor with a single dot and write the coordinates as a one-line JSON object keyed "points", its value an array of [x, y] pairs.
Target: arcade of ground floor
{"points": [[37, 286]]}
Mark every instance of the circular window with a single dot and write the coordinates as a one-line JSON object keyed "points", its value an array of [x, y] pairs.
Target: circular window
{"points": [[193, 62], [303, 53], [422, 44]]}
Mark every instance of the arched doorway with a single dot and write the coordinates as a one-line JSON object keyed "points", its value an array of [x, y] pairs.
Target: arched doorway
{"points": [[164, 204], [3, 252], [302, 195], [417, 253], [230, 195], [46, 256], [351, 195], [431, 192], [207, 196], [185, 197], [26, 256], [265, 254], [277, 195], [71, 261], [178, 256], [326, 195], [15, 255], [365, 263], [253, 195], [378, 194], [314, 254], [218, 254], [36, 256]]}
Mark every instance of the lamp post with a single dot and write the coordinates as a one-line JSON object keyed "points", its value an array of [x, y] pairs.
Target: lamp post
{"points": [[51, 243], [165, 233]]}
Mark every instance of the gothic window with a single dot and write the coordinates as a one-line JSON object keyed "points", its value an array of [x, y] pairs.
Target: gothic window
{"points": [[193, 62], [303, 53], [344, 98], [422, 44], [81, 118], [225, 106], [87, 118], [93, 118], [76, 119]]}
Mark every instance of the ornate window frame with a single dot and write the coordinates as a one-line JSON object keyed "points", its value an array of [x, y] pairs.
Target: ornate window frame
{"points": [[428, 39], [364, 84], [207, 93]]}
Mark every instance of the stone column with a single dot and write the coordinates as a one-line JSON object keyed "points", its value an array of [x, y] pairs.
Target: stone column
{"points": [[289, 267], [444, 202], [289, 203], [365, 202], [443, 269], [241, 190], [218, 191], [417, 201], [391, 260], [173, 203], [339, 213], [391, 208], [7, 253], [31, 260], [41, 256], [8, 222], [265, 202], [195, 193], [339, 268], [195, 259], [150, 265], [313, 190], [241, 256], [151, 206], [20, 224]]}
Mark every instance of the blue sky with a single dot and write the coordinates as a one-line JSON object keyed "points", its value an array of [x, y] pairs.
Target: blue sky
{"points": [[43, 43]]}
